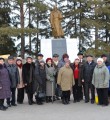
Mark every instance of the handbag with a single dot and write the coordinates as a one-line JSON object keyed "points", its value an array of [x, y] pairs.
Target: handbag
{"points": [[41, 95], [96, 100]]}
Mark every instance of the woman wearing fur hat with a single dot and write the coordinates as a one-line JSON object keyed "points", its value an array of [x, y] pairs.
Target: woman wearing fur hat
{"points": [[20, 86], [29, 78], [101, 81], [50, 80]]}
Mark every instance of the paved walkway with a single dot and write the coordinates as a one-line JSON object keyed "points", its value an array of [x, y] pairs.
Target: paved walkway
{"points": [[57, 111]]}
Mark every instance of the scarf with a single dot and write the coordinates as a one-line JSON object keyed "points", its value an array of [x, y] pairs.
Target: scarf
{"points": [[20, 66]]}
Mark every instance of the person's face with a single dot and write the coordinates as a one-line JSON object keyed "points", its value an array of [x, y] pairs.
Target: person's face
{"points": [[49, 62], [29, 60], [99, 62], [80, 57], [104, 58], [2, 62], [67, 64], [10, 61], [40, 57], [89, 59], [18, 62], [76, 62], [55, 59], [65, 59], [42, 64]]}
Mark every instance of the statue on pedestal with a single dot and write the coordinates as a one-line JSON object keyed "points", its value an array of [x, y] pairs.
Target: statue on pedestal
{"points": [[55, 21]]}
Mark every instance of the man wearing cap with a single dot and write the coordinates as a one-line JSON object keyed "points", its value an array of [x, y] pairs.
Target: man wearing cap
{"points": [[39, 58], [81, 84], [55, 63], [87, 78], [14, 77]]}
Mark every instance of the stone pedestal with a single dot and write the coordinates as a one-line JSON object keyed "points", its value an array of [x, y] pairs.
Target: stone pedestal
{"points": [[59, 46]]}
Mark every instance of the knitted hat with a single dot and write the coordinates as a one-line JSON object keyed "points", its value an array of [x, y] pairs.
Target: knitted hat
{"points": [[41, 61], [100, 59], [18, 58]]}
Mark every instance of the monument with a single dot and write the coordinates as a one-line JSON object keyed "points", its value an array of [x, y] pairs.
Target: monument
{"points": [[59, 42]]}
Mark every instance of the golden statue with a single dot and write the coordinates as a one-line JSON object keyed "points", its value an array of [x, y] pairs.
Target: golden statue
{"points": [[55, 20]]}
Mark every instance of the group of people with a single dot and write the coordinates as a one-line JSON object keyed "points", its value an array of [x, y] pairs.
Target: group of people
{"points": [[54, 80]]}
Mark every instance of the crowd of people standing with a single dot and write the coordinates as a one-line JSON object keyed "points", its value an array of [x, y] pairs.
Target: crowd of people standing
{"points": [[54, 80]]}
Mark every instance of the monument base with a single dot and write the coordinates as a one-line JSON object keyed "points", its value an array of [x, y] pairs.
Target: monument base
{"points": [[70, 46], [59, 46]]}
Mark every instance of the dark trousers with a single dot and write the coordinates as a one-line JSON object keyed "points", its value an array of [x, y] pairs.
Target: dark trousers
{"points": [[81, 91], [1, 102], [102, 96], [20, 95], [76, 91], [13, 97], [89, 86], [66, 95]]}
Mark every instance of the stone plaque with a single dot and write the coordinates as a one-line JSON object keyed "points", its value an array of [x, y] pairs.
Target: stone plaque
{"points": [[59, 46]]}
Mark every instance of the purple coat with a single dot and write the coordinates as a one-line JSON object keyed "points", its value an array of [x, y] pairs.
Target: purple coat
{"points": [[4, 82]]}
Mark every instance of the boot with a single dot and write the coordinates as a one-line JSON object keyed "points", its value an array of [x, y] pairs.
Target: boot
{"points": [[29, 99], [67, 100], [3, 108], [47, 99], [64, 101], [50, 100]]}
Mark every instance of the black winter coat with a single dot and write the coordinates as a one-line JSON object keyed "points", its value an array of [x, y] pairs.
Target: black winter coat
{"points": [[29, 77], [40, 75], [88, 71], [107, 63]]}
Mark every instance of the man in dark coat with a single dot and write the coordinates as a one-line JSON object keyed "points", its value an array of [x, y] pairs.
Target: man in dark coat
{"points": [[14, 78], [4, 84], [55, 63], [39, 58], [29, 78], [87, 78], [80, 83]]}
